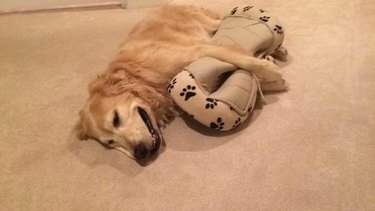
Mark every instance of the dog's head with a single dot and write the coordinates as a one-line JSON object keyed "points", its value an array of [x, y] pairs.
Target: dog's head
{"points": [[120, 113]]}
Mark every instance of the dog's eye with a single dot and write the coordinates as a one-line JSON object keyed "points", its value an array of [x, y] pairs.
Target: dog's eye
{"points": [[116, 120]]}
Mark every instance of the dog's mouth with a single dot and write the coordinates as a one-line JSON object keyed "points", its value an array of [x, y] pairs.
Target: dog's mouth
{"points": [[156, 141]]}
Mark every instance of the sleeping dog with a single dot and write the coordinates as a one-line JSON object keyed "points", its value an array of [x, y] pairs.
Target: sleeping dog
{"points": [[128, 102]]}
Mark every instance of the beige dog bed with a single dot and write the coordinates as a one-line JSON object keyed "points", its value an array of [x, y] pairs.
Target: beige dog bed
{"points": [[218, 94]]}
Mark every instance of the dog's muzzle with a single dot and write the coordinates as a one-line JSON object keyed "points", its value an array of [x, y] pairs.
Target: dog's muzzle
{"points": [[141, 152]]}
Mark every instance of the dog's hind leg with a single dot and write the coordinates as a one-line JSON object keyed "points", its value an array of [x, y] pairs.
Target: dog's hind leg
{"points": [[209, 13], [209, 20]]}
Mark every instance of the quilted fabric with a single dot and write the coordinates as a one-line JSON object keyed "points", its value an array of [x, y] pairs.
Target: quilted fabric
{"points": [[218, 94]]}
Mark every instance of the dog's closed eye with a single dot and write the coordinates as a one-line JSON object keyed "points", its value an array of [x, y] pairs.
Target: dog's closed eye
{"points": [[116, 120]]}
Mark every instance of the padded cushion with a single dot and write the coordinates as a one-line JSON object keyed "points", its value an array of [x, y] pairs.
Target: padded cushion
{"points": [[225, 108], [218, 94], [251, 28]]}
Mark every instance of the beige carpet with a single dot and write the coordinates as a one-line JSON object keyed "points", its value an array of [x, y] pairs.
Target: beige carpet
{"points": [[312, 148]]}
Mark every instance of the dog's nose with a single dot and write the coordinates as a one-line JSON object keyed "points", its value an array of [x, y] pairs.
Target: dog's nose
{"points": [[141, 152]]}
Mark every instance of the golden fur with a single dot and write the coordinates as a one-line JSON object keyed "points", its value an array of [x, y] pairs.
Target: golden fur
{"points": [[154, 52]]}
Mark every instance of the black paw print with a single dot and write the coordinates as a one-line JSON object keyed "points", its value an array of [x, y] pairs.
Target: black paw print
{"points": [[171, 85], [278, 29], [261, 10], [234, 11], [231, 108], [188, 92], [218, 125], [250, 109], [264, 18], [191, 75], [237, 123], [211, 103], [247, 8]]}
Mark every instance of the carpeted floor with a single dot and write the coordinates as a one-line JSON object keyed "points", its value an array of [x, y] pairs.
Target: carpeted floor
{"points": [[311, 148]]}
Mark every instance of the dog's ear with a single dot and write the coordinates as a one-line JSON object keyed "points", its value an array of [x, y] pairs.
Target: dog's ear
{"points": [[117, 76], [118, 82], [109, 84], [97, 84], [80, 129]]}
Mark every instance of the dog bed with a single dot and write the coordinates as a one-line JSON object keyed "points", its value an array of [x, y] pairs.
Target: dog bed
{"points": [[218, 94]]}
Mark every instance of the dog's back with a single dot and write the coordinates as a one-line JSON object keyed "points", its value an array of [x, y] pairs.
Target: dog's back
{"points": [[166, 41]]}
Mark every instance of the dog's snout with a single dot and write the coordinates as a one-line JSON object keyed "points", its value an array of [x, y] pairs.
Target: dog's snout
{"points": [[141, 152]]}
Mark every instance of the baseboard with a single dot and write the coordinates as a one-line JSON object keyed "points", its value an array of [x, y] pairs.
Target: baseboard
{"points": [[30, 8], [127, 4], [133, 4]]}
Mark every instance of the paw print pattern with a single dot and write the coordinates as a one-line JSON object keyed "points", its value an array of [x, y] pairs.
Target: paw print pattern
{"points": [[261, 10], [237, 123], [218, 125], [171, 85], [247, 8], [264, 18], [250, 109], [211, 103], [231, 108], [278, 29], [234, 10], [188, 92], [191, 75]]}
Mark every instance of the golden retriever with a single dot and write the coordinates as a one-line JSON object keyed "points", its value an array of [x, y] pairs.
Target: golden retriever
{"points": [[128, 102]]}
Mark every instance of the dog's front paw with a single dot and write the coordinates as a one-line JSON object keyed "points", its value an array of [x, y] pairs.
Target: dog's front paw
{"points": [[270, 72], [280, 85]]}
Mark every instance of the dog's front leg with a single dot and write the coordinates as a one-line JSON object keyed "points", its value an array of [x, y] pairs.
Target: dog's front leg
{"points": [[266, 71]]}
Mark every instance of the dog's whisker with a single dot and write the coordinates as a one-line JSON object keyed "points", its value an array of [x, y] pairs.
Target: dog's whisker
{"points": [[162, 123], [175, 112], [165, 118]]}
